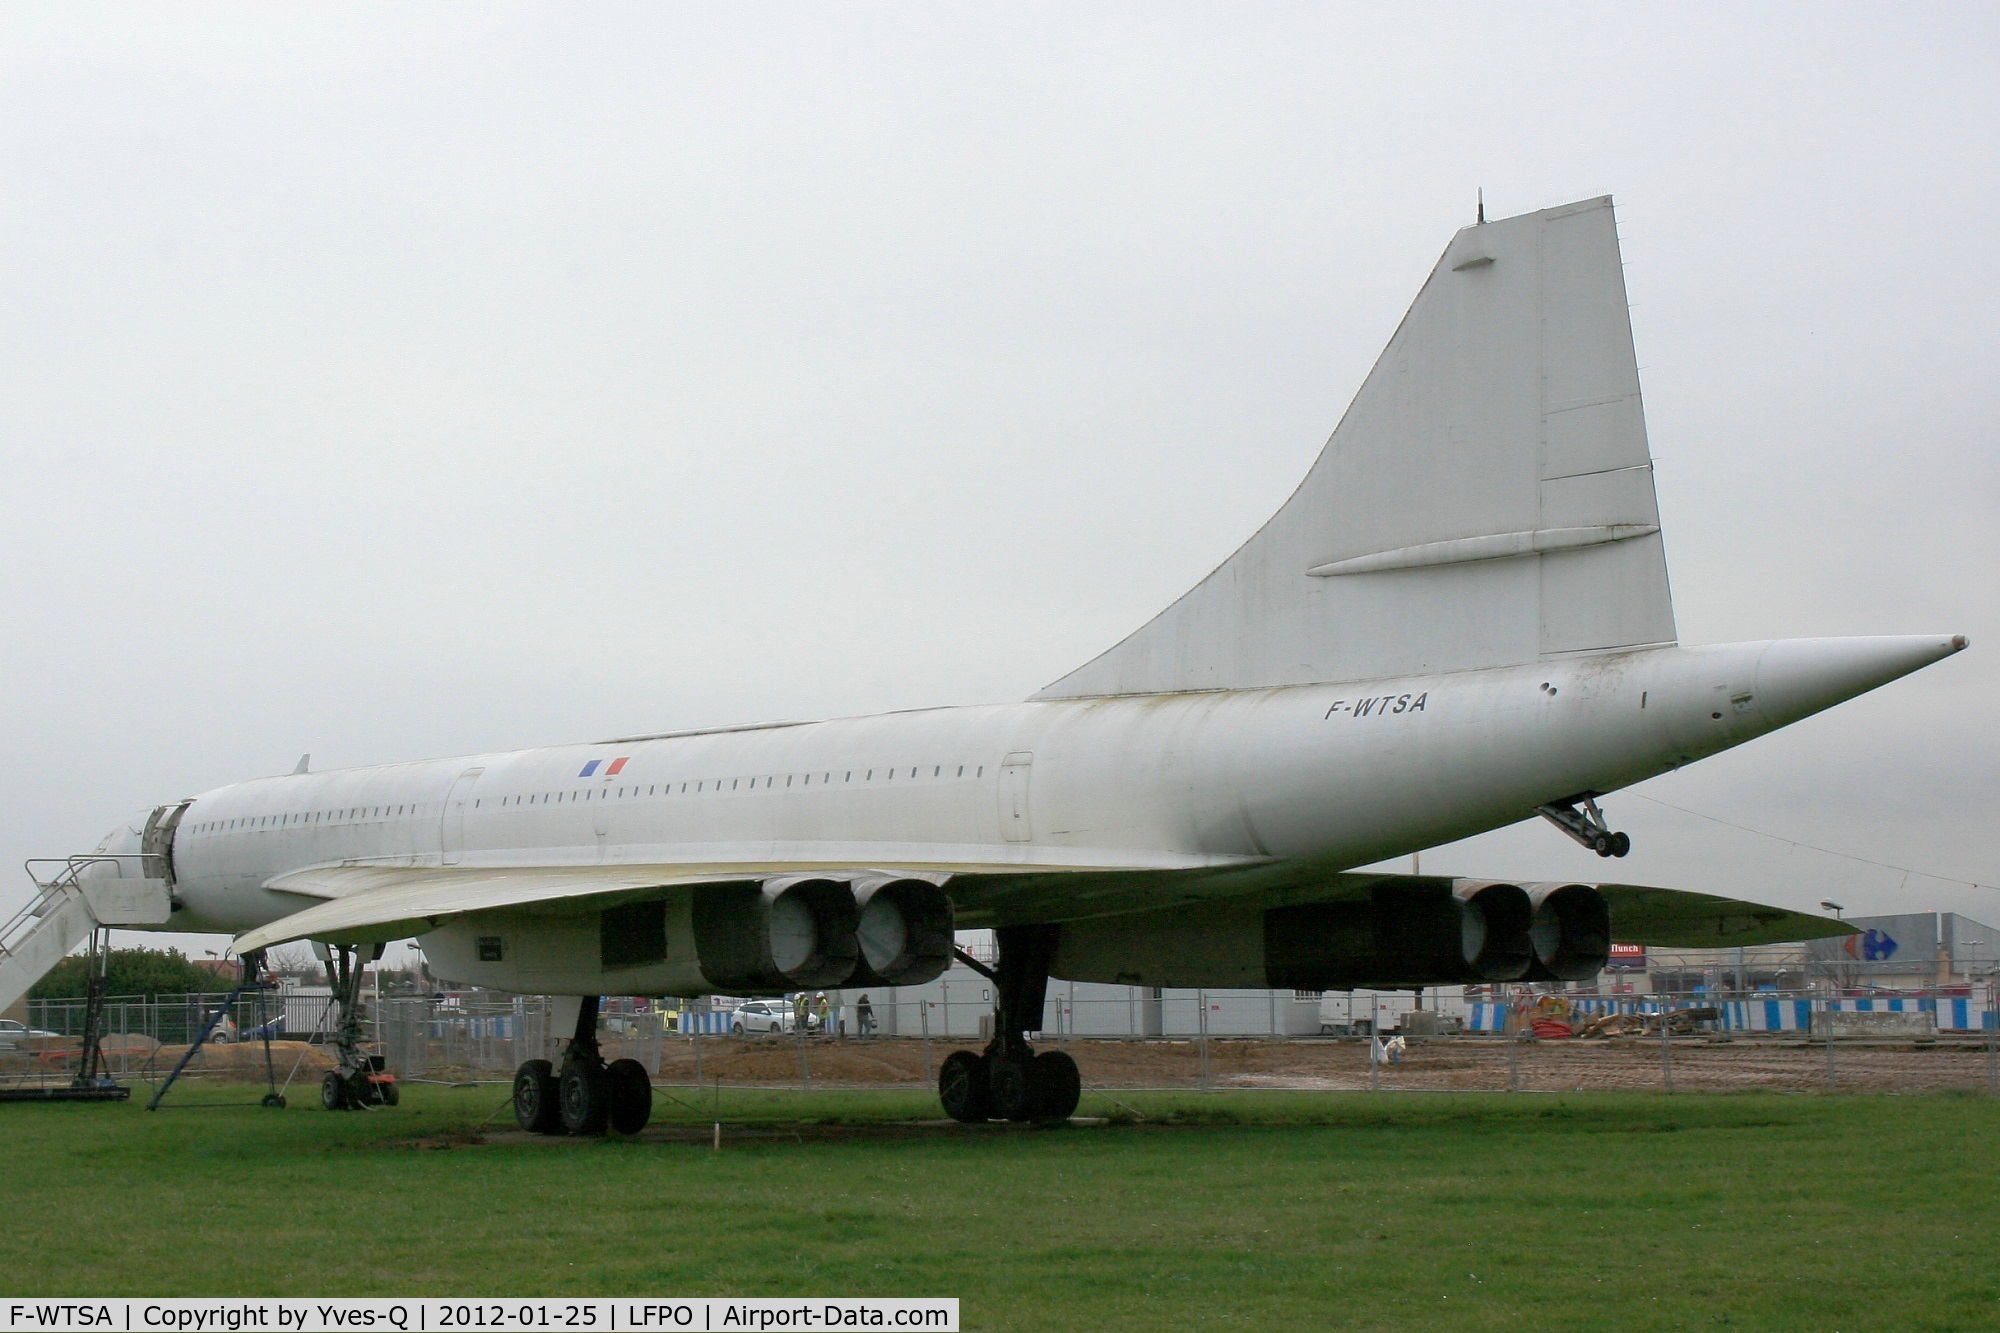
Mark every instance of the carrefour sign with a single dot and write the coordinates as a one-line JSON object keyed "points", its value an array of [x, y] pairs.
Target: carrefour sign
{"points": [[1870, 946]]}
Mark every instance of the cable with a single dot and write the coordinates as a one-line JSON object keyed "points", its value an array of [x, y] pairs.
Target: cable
{"points": [[1815, 847]]}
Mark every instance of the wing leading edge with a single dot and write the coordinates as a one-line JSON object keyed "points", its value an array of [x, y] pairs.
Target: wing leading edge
{"points": [[377, 903]]}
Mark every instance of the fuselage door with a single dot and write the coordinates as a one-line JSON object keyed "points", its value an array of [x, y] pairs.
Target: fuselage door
{"points": [[451, 830], [1014, 825], [158, 844]]}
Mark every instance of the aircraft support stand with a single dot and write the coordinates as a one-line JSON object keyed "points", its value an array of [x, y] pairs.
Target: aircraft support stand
{"points": [[1009, 1081], [588, 1096], [360, 1079]]}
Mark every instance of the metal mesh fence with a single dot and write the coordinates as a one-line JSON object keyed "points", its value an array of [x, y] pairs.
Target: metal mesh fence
{"points": [[1817, 1045]]}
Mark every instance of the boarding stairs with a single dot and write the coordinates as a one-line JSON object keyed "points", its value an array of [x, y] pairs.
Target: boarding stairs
{"points": [[74, 896]]}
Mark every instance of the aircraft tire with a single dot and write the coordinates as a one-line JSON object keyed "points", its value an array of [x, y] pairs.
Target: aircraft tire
{"points": [[962, 1087], [333, 1091], [535, 1106], [631, 1095], [1057, 1085], [1011, 1085], [584, 1094]]}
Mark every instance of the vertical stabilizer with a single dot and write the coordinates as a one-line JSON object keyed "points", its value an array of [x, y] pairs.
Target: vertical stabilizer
{"points": [[1486, 501]]}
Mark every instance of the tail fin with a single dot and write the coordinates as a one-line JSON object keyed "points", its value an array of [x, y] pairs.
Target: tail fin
{"points": [[1486, 501]]}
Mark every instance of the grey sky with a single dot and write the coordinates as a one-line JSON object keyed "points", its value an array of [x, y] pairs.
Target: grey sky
{"points": [[397, 382]]}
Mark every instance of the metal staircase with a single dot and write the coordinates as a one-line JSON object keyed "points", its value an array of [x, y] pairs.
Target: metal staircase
{"points": [[73, 897]]}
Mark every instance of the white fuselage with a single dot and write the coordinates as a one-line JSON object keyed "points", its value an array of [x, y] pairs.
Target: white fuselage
{"points": [[1345, 774]]}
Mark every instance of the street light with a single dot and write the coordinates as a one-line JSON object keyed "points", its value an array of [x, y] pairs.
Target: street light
{"points": [[1833, 975]]}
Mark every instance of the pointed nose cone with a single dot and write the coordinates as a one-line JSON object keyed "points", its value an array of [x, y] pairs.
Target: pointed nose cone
{"points": [[1798, 677]]}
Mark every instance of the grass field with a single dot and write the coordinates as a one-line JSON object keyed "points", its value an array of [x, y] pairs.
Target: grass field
{"points": [[1257, 1210]]}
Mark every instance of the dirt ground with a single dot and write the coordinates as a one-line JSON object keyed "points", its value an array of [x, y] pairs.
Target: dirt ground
{"points": [[131, 1053], [1443, 1064]]}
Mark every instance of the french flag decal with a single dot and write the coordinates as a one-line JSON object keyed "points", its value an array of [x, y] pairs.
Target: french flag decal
{"points": [[617, 766]]}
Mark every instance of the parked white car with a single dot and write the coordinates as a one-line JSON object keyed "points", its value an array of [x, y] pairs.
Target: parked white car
{"points": [[759, 1016], [16, 1036]]}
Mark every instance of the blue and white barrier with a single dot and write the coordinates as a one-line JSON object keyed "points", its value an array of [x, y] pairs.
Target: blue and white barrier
{"points": [[1955, 1013]]}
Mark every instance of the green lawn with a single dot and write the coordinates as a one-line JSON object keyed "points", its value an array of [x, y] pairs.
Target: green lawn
{"points": [[1229, 1209]]}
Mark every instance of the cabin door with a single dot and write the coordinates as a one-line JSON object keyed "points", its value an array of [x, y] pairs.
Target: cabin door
{"points": [[451, 829], [1014, 825]]}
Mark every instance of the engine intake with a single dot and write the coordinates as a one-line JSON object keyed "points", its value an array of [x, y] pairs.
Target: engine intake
{"points": [[904, 933]]}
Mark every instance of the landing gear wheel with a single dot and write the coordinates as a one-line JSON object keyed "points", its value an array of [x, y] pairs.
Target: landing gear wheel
{"points": [[585, 1095], [333, 1091], [1621, 843], [1601, 844], [390, 1092], [962, 1087], [1012, 1087], [631, 1090], [1057, 1085], [536, 1107]]}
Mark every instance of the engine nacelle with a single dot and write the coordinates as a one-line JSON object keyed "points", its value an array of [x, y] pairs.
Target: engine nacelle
{"points": [[1571, 932], [1404, 934], [792, 933], [904, 933]]}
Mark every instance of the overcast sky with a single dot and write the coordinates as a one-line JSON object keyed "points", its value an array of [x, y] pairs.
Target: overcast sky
{"points": [[395, 382]]}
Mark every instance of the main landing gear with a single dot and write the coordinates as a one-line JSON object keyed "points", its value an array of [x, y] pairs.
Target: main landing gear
{"points": [[588, 1096], [1586, 825], [358, 1079], [1009, 1081]]}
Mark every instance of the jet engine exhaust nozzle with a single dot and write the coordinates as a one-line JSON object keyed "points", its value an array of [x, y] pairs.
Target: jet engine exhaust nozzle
{"points": [[904, 933], [1494, 926], [1571, 933], [782, 935]]}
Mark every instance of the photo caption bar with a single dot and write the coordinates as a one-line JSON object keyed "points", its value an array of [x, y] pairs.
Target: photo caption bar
{"points": [[624, 1315]]}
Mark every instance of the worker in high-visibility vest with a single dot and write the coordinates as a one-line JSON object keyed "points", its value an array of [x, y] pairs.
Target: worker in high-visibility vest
{"points": [[823, 1011]]}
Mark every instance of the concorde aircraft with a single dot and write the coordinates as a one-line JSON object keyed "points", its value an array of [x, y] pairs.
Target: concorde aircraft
{"points": [[1458, 621]]}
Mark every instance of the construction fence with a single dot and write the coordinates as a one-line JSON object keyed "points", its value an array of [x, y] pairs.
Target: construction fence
{"points": [[1902, 1044]]}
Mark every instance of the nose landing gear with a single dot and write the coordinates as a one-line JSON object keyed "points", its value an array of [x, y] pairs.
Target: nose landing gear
{"points": [[1010, 1080], [359, 1079]]}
